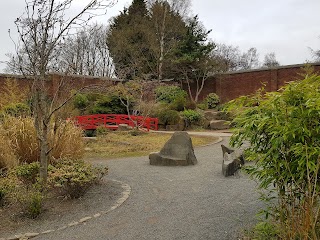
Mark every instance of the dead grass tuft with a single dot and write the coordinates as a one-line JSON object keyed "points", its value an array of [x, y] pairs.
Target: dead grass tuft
{"points": [[7, 157], [66, 141]]}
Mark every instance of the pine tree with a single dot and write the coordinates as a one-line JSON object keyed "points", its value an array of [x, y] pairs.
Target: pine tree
{"points": [[128, 42]]}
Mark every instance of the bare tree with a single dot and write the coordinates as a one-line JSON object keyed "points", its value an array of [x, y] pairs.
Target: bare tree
{"points": [[86, 53], [270, 60], [42, 28], [196, 76], [249, 59], [227, 56]]}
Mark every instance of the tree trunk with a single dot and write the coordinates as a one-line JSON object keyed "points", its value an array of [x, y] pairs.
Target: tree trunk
{"points": [[160, 73], [44, 157], [42, 128]]}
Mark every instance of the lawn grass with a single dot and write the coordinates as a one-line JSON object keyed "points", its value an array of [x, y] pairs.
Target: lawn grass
{"points": [[123, 144]]}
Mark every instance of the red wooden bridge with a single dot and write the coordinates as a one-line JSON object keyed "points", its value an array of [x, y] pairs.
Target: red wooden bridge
{"points": [[112, 121]]}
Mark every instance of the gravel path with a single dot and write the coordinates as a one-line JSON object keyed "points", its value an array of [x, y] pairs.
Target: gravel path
{"points": [[194, 202]]}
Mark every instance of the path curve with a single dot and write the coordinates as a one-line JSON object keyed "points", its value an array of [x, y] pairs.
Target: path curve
{"points": [[193, 202]]}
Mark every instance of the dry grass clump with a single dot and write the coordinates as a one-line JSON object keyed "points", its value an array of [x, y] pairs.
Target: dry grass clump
{"points": [[22, 134], [123, 144], [66, 140], [7, 157]]}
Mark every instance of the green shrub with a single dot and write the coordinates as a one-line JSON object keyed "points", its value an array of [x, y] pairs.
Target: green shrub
{"points": [[7, 185], [192, 116], [81, 101], [178, 104], [34, 201], [108, 104], [212, 100], [90, 133], [202, 106], [72, 178], [283, 131], [28, 173], [168, 117], [101, 131], [168, 94]]}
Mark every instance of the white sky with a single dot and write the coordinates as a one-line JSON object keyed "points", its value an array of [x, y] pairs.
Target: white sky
{"points": [[286, 27]]}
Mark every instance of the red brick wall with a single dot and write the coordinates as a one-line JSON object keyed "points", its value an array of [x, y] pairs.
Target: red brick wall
{"points": [[228, 86], [66, 84], [232, 85]]}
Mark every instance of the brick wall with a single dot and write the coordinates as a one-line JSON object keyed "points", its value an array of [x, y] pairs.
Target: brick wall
{"points": [[58, 81], [228, 85], [232, 85]]}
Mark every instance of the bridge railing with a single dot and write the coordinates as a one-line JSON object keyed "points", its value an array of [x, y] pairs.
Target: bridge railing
{"points": [[112, 121]]}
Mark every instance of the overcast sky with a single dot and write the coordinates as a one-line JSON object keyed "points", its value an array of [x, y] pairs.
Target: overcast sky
{"points": [[286, 27]]}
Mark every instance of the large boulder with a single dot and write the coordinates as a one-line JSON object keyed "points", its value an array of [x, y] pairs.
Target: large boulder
{"points": [[219, 125], [178, 151], [211, 115]]}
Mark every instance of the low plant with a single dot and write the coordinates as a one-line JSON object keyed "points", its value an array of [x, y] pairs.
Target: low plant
{"points": [[263, 230], [71, 178], [169, 94], [28, 173], [35, 202], [101, 131], [202, 106], [212, 100], [191, 116], [7, 186], [168, 117]]}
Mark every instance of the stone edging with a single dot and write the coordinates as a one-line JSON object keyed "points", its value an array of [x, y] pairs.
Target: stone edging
{"points": [[125, 195]]}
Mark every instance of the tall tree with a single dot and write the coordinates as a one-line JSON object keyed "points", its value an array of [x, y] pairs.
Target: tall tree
{"points": [[249, 60], [194, 62], [167, 30], [270, 60], [41, 29], [227, 56], [128, 43]]}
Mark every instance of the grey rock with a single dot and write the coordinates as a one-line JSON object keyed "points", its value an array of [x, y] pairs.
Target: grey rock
{"points": [[178, 151], [219, 125], [233, 159], [211, 115]]}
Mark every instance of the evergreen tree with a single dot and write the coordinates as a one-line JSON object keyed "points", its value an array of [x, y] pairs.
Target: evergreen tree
{"points": [[128, 41]]}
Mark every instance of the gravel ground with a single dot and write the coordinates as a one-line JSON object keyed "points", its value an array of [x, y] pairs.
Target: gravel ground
{"points": [[99, 198], [193, 202]]}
